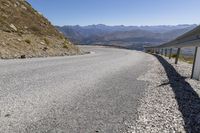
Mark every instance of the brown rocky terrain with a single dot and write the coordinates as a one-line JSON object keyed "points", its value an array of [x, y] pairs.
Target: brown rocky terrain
{"points": [[26, 33]]}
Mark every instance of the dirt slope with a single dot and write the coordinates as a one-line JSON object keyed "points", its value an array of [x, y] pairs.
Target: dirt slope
{"points": [[26, 33]]}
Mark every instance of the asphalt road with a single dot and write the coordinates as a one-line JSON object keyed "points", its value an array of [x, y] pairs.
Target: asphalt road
{"points": [[98, 92]]}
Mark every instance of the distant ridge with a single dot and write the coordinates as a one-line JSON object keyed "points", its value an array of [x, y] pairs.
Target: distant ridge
{"points": [[134, 37]]}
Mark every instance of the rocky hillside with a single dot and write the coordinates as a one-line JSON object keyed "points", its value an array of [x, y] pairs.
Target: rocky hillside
{"points": [[26, 33]]}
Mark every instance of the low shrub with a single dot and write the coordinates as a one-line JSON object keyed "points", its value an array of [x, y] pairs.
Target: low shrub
{"points": [[28, 41], [65, 46], [46, 41], [173, 55]]}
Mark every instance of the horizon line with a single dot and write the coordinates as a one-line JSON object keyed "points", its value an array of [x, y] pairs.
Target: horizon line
{"points": [[124, 25]]}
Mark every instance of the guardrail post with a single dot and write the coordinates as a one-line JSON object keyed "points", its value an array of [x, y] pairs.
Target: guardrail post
{"points": [[157, 51], [196, 64], [165, 52], [177, 55], [170, 53]]}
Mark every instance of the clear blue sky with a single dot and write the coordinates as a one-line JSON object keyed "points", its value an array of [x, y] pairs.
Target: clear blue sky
{"points": [[119, 12]]}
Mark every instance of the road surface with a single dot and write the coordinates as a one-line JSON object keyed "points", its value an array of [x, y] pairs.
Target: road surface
{"points": [[97, 92]]}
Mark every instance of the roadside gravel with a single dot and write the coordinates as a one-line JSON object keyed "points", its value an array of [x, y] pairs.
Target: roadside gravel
{"points": [[171, 102]]}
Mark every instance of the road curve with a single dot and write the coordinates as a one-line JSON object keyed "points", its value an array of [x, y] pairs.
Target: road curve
{"points": [[98, 92]]}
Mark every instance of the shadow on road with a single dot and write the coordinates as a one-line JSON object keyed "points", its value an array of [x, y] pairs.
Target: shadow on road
{"points": [[187, 99]]}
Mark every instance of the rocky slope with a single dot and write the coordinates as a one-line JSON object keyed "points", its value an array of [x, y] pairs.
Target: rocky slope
{"points": [[26, 33]]}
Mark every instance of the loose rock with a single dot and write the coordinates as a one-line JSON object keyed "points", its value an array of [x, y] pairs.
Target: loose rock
{"points": [[13, 27], [171, 103]]}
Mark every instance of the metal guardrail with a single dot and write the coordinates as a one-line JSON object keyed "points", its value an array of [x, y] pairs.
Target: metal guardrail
{"points": [[189, 39]]}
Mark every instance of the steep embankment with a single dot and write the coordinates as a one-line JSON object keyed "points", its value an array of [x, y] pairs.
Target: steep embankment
{"points": [[26, 33]]}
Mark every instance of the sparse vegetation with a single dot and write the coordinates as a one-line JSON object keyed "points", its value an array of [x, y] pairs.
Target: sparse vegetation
{"points": [[65, 46], [188, 59], [28, 41], [46, 41], [19, 21], [185, 58], [173, 55], [35, 29], [22, 15]]}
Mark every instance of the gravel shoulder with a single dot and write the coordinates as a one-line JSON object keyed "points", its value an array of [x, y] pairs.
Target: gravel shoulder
{"points": [[171, 102]]}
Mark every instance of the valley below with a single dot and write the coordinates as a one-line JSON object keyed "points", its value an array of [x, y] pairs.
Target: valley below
{"points": [[131, 37]]}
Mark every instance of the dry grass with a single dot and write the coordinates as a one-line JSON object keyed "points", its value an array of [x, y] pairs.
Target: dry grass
{"points": [[19, 21], [28, 41], [188, 59], [46, 41], [185, 58], [24, 18], [33, 46]]}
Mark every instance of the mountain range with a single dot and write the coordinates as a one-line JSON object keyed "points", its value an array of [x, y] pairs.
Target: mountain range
{"points": [[133, 37]]}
